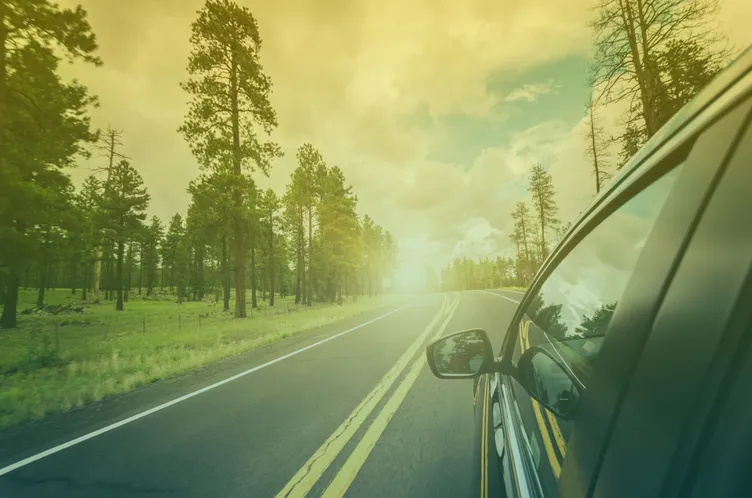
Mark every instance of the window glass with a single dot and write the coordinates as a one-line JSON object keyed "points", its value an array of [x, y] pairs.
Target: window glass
{"points": [[571, 312]]}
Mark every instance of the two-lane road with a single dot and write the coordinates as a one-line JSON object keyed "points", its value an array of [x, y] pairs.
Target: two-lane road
{"points": [[350, 409]]}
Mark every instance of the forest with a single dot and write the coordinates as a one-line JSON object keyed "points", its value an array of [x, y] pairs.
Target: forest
{"points": [[98, 297], [97, 242]]}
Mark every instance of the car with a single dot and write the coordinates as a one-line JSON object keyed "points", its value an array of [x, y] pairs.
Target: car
{"points": [[626, 369]]}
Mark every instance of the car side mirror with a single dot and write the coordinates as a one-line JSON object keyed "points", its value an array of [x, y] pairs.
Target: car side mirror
{"points": [[548, 380], [461, 355]]}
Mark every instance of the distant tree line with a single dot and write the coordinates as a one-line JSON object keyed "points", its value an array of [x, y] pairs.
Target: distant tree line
{"points": [[310, 242], [535, 230], [466, 274]]}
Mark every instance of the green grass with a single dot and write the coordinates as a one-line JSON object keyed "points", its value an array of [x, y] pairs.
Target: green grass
{"points": [[514, 288], [55, 363]]}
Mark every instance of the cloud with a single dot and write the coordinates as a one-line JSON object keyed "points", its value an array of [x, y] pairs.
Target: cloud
{"points": [[345, 75], [531, 92]]}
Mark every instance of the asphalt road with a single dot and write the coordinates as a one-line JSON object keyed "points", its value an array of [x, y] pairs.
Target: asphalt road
{"points": [[359, 414]]}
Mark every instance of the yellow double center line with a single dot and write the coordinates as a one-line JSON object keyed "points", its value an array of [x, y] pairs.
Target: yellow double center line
{"points": [[538, 410], [484, 442], [302, 482]]}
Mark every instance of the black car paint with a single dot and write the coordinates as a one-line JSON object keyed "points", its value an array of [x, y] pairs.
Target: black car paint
{"points": [[674, 142]]}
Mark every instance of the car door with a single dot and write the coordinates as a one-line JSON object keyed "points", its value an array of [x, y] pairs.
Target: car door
{"points": [[692, 341], [569, 315], [569, 310]]}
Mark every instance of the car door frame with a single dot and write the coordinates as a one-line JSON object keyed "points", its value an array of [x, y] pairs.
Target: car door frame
{"points": [[672, 143], [682, 378]]}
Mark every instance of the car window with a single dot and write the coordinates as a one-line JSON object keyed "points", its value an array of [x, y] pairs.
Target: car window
{"points": [[570, 313]]}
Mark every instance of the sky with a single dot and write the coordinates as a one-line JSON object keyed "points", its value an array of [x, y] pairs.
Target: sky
{"points": [[434, 109]]}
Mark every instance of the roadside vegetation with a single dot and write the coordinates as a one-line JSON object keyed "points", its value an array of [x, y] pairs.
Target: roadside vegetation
{"points": [[68, 354], [146, 298]]}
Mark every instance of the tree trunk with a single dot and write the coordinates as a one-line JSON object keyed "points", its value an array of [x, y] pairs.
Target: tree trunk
{"points": [[172, 272], [303, 286], [2, 288], [271, 260], [129, 272], [529, 260], [543, 250], [262, 285], [310, 256], [85, 284], [105, 278], [298, 268], [74, 277], [42, 284], [150, 278], [595, 151], [97, 273], [253, 273], [225, 276], [110, 293], [8, 317], [119, 276], [141, 268], [643, 72], [237, 194], [200, 272]]}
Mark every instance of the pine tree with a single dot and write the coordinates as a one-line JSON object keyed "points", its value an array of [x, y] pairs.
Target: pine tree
{"points": [[150, 253], [596, 144], [269, 207], [124, 204], [230, 102], [523, 233], [294, 202], [542, 190], [43, 124]]}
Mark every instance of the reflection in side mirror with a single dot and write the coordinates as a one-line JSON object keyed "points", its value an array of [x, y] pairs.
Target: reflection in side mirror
{"points": [[462, 355], [549, 381]]}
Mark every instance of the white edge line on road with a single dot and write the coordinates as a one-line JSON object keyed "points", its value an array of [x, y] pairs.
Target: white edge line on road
{"points": [[85, 437], [501, 296]]}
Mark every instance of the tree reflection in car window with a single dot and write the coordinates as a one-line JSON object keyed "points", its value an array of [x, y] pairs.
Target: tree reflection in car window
{"points": [[460, 354], [575, 303], [570, 314]]}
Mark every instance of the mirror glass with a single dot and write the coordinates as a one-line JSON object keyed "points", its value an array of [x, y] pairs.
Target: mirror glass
{"points": [[549, 382], [460, 354]]}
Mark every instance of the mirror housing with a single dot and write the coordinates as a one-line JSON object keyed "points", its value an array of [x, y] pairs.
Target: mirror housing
{"points": [[461, 355], [548, 380]]}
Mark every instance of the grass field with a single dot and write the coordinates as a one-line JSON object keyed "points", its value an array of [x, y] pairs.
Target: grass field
{"points": [[54, 363]]}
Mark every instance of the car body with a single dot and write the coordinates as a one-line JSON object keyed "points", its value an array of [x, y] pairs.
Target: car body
{"points": [[625, 369]]}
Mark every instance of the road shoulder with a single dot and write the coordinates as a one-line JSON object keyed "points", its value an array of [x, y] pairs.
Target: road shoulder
{"points": [[23, 441]]}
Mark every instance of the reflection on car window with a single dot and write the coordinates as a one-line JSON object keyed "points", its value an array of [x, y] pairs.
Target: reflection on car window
{"points": [[574, 305], [460, 354], [570, 314]]}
